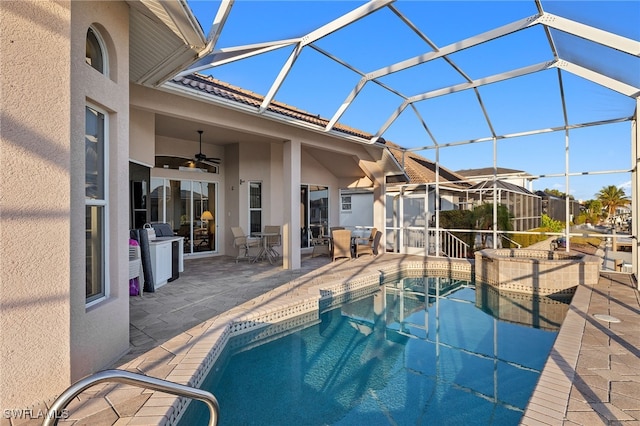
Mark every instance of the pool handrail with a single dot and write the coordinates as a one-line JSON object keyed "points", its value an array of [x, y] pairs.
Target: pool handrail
{"points": [[127, 377]]}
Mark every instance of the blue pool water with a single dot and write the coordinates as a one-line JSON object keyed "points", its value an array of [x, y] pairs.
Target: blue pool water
{"points": [[415, 351]]}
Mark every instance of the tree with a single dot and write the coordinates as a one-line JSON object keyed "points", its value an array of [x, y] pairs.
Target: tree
{"points": [[482, 218], [611, 198], [592, 212], [557, 193]]}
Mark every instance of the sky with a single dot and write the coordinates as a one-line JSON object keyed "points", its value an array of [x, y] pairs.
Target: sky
{"points": [[319, 84]]}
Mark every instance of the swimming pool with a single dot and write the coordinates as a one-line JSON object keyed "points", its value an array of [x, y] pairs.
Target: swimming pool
{"points": [[414, 351]]}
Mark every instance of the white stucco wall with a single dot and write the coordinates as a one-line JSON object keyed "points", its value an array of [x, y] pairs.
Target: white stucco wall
{"points": [[361, 213], [35, 223]]}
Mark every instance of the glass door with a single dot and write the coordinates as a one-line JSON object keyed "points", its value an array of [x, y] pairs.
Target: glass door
{"points": [[314, 215], [190, 208]]}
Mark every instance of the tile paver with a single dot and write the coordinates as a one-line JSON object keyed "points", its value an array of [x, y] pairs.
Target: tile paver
{"points": [[606, 376], [592, 377]]}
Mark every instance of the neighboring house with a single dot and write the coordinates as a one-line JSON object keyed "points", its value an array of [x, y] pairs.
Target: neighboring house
{"points": [[524, 206], [516, 177], [556, 207], [98, 137], [411, 206], [514, 189]]}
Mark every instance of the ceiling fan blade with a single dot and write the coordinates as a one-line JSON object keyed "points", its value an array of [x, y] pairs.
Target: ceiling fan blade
{"points": [[200, 157]]}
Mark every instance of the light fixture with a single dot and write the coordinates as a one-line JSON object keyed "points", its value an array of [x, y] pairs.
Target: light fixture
{"points": [[242, 181], [206, 215]]}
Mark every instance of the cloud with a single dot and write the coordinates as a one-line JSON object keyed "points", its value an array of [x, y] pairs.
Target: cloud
{"points": [[625, 185]]}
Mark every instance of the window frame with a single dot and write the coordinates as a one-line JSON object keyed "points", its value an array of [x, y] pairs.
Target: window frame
{"points": [[103, 51], [252, 209], [103, 205], [343, 203]]}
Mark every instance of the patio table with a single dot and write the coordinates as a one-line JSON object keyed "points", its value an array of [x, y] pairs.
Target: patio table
{"points": [[266, 250]]}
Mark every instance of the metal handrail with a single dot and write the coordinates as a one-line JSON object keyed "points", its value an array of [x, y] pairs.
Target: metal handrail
{"points": [[127, 377], [511, 241]]}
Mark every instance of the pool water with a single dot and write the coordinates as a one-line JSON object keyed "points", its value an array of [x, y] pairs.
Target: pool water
{"points": [[416, 351]]}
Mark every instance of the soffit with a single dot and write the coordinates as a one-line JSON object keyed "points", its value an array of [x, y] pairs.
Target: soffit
{"points": [[164, 38]]}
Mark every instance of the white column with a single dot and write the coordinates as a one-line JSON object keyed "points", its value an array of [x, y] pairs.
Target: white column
{"points": [[291, 188], [379, 201]]}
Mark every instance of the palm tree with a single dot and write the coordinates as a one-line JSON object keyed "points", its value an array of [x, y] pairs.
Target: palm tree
{"points": [[612, 197]]}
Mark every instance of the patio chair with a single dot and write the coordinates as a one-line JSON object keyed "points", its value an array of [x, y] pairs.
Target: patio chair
{"points": [[376, 242], [243, 243], [321, 246], [369, 246], [341, 243]]}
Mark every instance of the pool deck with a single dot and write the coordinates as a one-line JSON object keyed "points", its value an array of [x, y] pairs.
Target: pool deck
{"points": [[592, 376]]}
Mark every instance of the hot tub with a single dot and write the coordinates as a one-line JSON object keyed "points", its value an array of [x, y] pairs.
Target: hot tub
{"points": [[539, 272]]}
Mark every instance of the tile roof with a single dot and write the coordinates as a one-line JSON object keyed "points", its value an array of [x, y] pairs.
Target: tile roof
{"points": [[501, 184], [417, 168], [488, 171], [215, 87], [422, 170]]}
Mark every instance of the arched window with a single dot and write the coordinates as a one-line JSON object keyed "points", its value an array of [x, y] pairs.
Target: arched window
{"points": [[96, 53]]}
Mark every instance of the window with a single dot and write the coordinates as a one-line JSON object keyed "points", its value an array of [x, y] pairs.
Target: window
{"points": [[346, 203], [96, 203], [95, 56], [255, 207]]}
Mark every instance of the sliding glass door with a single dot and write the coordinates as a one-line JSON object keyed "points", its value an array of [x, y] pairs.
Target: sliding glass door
{"points": [[189, 206], [314, 212]]}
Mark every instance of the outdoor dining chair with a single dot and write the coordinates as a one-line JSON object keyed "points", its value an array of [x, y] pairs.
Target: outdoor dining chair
{"points": [[243, 243], [341, 244], [369, 246]]}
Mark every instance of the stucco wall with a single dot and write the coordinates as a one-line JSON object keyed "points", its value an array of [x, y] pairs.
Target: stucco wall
{"points": [[142, 134], [361, 213], [100, 334], [34, 192]]}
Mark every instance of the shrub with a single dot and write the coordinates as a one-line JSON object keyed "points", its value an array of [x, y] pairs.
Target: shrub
{"points": [[525, 240], [552, 224]]}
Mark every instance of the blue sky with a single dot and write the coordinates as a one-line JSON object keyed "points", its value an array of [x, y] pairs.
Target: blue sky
{"points": [[320, 85]]}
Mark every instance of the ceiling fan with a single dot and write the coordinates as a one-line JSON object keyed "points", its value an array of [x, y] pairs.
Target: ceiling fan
{"points": [[202, 157]]}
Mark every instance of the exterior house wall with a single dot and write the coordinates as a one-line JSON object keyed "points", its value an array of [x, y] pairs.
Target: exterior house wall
{"points": [[100, 334], [142, 137], [49, 337], [35, 154], [231, 196], [361, 213]]}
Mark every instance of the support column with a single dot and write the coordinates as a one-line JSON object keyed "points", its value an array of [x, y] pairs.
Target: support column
{"points": [[373, 172], [291, 186], [379, 213]]}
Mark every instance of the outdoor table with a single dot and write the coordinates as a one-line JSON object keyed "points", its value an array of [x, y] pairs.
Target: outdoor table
{"points": [[265, 249]]}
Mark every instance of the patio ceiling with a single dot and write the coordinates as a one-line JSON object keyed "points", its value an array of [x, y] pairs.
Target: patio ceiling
{"points": [[387, 67]]}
